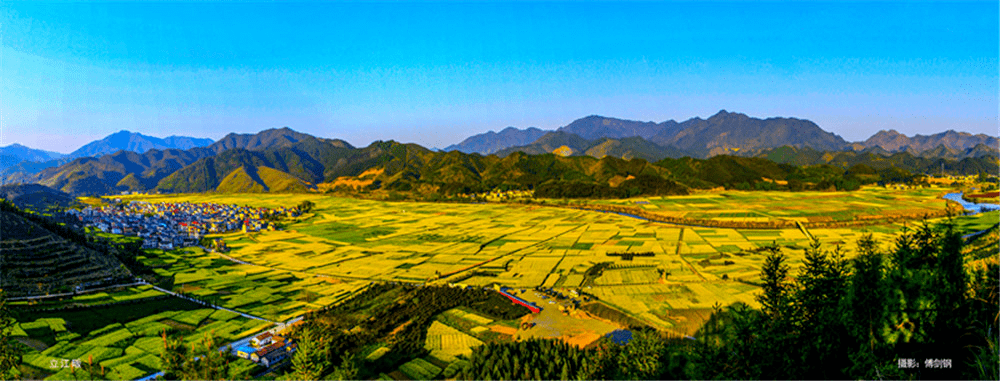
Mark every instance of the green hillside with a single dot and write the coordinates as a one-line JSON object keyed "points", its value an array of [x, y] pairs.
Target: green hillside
{"points": [[239, 181], [296, 162]]}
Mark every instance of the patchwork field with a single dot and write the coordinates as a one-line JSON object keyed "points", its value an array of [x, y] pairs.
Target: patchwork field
{"points": [[118, 331], [755, 206], [324, 256], [274, 293]]}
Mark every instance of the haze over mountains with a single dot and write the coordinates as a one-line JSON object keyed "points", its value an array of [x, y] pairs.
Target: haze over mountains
{"points": [[287, 160]]}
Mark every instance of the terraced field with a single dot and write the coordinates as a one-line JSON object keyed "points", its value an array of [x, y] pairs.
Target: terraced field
{"points": [[36, 262]]}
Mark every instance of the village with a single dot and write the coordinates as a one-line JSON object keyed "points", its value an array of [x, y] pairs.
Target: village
{"points": [[171, 225]]}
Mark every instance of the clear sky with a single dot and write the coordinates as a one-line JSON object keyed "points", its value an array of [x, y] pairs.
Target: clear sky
{"points": [[436, 73]]}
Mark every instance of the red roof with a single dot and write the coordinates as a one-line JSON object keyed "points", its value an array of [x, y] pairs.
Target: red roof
{"points": [[268, 349]]}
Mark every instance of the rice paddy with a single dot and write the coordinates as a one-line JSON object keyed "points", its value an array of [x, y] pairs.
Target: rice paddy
{"points": [[324, 256]]}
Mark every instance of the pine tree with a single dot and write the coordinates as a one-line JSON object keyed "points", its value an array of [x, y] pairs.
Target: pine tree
{"points": [[823, 281], [172, 356], [951, 284], [775, 299], [866, 294], [866, 306], [309, 361], [641, 358], [10, 356]]}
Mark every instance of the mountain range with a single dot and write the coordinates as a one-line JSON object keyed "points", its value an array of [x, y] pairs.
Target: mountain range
{"points": [[18, 162], [284, 160], [16, 153], [491, 142], [723, 133], [136, 142], [893, 141]]}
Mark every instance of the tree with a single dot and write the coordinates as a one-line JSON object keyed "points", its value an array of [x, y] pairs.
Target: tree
{"points": [[776, 299], [309, 361], [866, 293], [201, 361], [866, 313], [207, 362], [10, 356], [823, 281], [306, 206], [172, 356], [641, 358]]}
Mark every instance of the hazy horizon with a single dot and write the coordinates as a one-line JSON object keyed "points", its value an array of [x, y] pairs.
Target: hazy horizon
{"points": [[437, 73]]}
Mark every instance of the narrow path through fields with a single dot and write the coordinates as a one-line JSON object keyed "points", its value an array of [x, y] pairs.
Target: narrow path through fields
{"points": [[512, 252], [680, 241]]}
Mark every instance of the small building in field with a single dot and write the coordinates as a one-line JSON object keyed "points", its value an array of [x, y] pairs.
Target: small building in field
{"points": [[262, 340], [245, 351], [272, 353]]}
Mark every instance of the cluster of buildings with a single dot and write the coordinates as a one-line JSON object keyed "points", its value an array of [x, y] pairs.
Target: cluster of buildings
{"points": [[499, 195], [267, 349], [168, 225]]}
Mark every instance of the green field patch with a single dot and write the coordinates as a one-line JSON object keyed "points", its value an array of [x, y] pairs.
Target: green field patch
{"points": [[630, 243], [377, 353], [193, 318], [223, 315], [149, 344], [420, 369], [110, 339], [728, 248]]}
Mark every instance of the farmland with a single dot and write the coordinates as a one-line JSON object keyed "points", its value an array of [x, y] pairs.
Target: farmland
{"points": [[807, 207], [118, 330], [324, 256]]}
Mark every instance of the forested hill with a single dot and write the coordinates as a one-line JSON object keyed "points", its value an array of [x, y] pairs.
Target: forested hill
{"points": [[283, 160]]}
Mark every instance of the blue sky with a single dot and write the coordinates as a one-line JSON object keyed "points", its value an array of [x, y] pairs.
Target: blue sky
{"points": [[434, 73]]}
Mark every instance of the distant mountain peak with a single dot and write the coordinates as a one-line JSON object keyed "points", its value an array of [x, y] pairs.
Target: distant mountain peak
{"points": [[125, 140], [893, 141], [491, 142]]}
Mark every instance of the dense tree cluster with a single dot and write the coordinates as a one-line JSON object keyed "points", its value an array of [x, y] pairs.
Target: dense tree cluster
{"points": [[643, 184], [395, 316], [648, 356], [201, 361], [861, 318]]}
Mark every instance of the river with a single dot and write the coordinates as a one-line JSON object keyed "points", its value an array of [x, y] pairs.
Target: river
{"points": [[973, 208]]}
